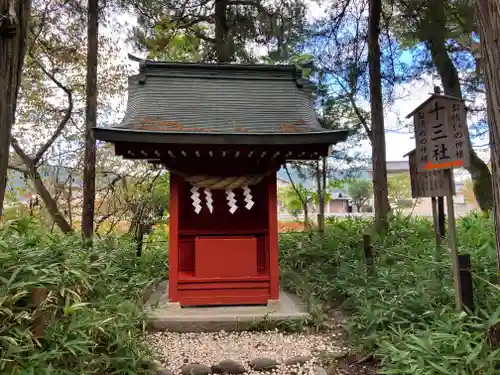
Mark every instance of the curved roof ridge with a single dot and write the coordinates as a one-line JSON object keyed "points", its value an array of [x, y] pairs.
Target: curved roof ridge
{"points": [[218, 66]]}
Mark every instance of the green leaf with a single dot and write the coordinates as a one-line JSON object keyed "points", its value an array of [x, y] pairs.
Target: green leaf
{"points": [[474, 354], [441, 369]]}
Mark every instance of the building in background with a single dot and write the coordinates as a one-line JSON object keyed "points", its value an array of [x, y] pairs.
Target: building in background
{"points": [[58, 179], [340, 204], [423, 206]]}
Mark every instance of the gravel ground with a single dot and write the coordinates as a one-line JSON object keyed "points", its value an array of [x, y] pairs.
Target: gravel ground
{"points": [[177, 349]]}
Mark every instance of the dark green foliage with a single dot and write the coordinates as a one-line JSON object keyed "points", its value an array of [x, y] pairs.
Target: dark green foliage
{"points": [[182, 31], [95, 317], [406, 312]]}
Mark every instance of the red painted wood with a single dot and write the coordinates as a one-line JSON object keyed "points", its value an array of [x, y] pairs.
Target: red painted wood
{"points": [[189, 277], [225, 285], [221, 258], [262, 254], [200, 232], [215, 300], [225, 292], [173, 253], [215, 297], [186, 254], [273, 237], [225, 257], [221, 221]]}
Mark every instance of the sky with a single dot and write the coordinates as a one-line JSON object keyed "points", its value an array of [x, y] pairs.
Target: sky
{"points": [[410, 96], [398, 142]]}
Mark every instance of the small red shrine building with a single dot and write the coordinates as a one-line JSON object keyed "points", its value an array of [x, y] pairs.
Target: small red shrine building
{"points": [[223, 131]]}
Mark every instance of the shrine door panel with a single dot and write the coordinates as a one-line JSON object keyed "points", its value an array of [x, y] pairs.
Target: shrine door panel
{"points": [[187, 255]]}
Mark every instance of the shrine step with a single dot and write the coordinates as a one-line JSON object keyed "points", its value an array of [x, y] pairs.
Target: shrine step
{"points": [[166, 316]]}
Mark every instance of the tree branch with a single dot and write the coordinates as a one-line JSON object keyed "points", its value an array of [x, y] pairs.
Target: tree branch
{"points": [[357, 111], [48, 200], [302, 200], [17, 168], [67, 112], [251, 3]]}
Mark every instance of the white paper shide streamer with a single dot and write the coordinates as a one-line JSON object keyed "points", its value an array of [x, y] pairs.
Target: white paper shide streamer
{"points": [[247, 193], [230, 197], [209, 200], [195, 197], [231, 202]]}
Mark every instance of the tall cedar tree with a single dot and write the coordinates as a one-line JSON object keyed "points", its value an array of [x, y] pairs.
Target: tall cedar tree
{"points": [[445, 27], [91, 122], [488, 16], [436, 43], [14, 18], [381, 200]]}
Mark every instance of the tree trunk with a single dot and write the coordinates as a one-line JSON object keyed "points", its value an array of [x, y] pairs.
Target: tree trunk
{"points": [[140, 242], [91, 122], [325, 202], [306, 215], [136, 219], [49, 202], [381, 201], [69, 201], [14, 17], [436, 39], [222, 41], [321, 196], [488, 16]]}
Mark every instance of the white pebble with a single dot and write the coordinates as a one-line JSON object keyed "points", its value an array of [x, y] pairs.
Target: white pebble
{"points": [[172, 349]]}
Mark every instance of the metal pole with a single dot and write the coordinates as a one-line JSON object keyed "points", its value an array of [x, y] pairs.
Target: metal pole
{"points": [[452, 239], [435, 218], [438, 253], [466, 284], [441, 217]]}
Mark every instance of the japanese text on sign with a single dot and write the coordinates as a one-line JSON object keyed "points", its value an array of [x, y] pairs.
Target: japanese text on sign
{"points": [[427, 184], [441, 135]]}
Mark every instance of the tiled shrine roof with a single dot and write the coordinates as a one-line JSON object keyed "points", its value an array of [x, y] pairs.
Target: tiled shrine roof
{"points": [[219, 103]]}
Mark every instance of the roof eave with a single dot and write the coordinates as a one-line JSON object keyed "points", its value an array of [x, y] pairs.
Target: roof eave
{"points": [[125, 135], [410, 153]]}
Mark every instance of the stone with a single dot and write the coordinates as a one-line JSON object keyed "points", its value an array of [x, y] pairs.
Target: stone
{"points": [[228, 366], [164, 371], [263, 364], [317, 370], [333, 356], [298, 360], [195, 369]]}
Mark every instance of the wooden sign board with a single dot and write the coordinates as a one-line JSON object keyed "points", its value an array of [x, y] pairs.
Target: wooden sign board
{"points": [[441, 134], [427, 184]]}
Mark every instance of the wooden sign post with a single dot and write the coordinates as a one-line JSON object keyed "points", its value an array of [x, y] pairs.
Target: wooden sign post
{"points": [[442, 143], [432, 185]]}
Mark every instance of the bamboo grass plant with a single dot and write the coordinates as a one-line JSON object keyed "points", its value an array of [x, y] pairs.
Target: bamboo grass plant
{"points": [[404, 314], [94, 318]]}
